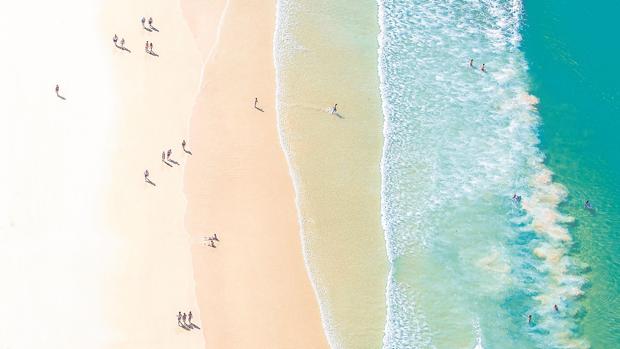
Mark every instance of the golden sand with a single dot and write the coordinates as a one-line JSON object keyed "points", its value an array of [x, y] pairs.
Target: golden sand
{"points": [[254, 290]]}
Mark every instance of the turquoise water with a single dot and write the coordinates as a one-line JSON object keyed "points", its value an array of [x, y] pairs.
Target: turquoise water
{"points": [[469, 264], [574, 71]]}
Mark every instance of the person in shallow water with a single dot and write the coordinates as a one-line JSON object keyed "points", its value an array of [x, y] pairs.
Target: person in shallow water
{"points": [[555, 307], [516, 198], [529, 319], [471, 62], [588, 205], [483, 68]]}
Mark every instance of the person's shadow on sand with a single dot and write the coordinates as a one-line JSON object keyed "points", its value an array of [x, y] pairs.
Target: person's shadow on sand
{"points": [[122, 48]]}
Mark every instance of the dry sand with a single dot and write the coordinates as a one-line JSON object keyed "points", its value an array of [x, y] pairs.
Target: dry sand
{"points": [[254, 290], [153, 278]]}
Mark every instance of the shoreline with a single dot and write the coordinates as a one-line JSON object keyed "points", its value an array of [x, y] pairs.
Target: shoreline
{"points": [[254, 287], [335, 160]]}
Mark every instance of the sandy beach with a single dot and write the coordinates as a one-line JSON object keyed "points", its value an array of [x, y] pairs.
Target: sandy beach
{"points": [[254, 290]]}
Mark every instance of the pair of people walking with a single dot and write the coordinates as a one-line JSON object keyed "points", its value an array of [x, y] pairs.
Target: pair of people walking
{"points": [[119, 44], [150, 27]]}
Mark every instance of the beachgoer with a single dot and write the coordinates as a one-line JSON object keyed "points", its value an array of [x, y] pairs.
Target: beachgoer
{"points": [[179, 316], [529, 319], [483, 68], [163, 156], [168, 154], [555, 306], [57, 88], [150, 22], [255, 102], [143, 20], [115, 39], [189, 317], [335, 110], [146, 175], [471, 62], [123, 42], [184, 318], [588, 205], [215, 237], [151, 47], [183, 144], [212, 244]]}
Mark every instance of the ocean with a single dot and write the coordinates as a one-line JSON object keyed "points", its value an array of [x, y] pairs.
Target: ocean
{"points": [[574, 72], [484, 174], [469, 263]]}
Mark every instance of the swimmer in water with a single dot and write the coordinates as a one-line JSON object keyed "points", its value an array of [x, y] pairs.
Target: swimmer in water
{"points": [[555, 306], [483, 68], [471, 62], [529, 319], [588, 205]]}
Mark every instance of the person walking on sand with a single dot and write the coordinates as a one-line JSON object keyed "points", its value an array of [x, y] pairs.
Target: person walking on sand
{"points": [[255, 102], [123, 43], [335, 109], [184, 318], [143, 20], [150, 47], [179, 316], [115, 39], [146, 47], [57, 89], [215, 237], [146, 176], [168, 154], [163, 156], [183, 144], [189, 317], [212, 244], [151, 22]]}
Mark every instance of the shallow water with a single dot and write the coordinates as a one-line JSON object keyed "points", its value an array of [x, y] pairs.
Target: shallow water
{"points": [[326, 53]]}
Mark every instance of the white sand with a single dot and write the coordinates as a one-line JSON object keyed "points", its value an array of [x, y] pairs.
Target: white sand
{"points": [[52, 250]]}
